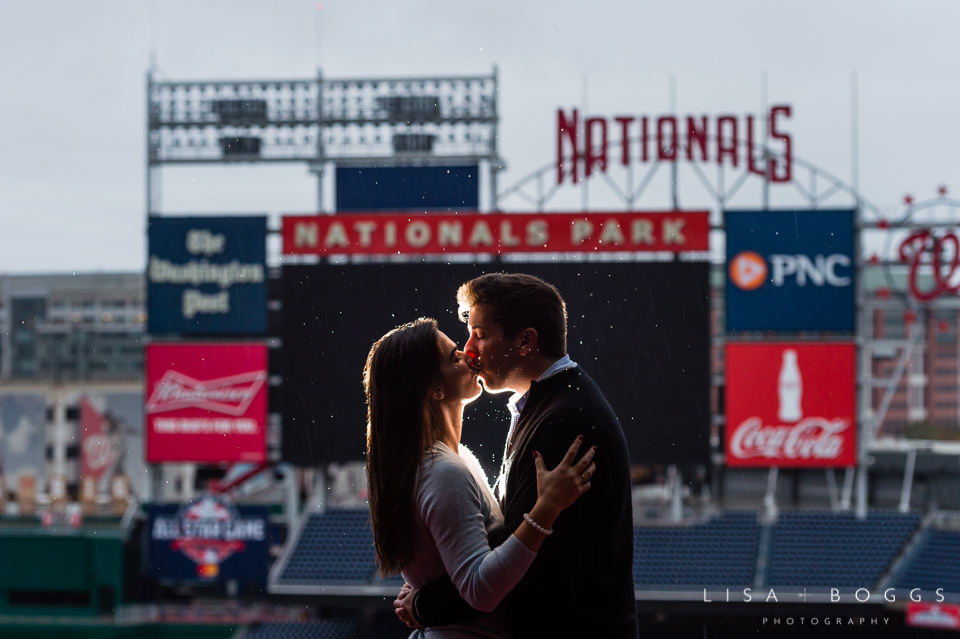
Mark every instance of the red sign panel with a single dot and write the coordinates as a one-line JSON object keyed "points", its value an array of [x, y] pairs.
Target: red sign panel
{"points": [[791, 404], [377, 233], [206, 402], [97, 450], [933, 615]]}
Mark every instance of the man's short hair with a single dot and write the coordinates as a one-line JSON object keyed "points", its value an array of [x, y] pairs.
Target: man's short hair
{"points": [[520, 301]]}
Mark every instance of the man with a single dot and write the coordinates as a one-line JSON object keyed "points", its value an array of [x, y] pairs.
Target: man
{"points": [[581, 583]]}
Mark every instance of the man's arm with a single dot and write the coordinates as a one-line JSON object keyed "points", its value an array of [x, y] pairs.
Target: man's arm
{"points": [[440, 604]]}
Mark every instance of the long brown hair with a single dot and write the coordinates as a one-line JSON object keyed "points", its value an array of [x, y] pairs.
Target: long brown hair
{"points": [[403, 368]]}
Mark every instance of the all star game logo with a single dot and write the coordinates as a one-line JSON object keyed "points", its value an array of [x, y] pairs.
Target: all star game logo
{"points": [[208, 530]]}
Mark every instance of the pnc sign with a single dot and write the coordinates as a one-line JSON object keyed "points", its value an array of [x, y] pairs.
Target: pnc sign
{"points": [[790, 404], [790, 270]]}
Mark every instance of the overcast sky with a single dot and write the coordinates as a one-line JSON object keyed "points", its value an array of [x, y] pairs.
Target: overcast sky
{"points": [[73, 74]]}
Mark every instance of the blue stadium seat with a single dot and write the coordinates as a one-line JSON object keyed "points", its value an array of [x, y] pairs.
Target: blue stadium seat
{"points": [[827, 549], [335, 547], [719, 552], [322, 629], [935, 564]]}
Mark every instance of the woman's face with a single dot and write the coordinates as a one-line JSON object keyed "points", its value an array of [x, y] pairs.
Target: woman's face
{"points": [[457, 380]]}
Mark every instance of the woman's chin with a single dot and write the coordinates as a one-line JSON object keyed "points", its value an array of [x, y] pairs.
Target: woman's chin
{"points": [[472, 396]]}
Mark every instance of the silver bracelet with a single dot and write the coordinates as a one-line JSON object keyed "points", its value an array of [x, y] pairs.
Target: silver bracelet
{"points": [[540, 529]]}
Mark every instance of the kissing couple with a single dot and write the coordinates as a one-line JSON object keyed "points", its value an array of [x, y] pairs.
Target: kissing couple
{"points": [[552, 554]]}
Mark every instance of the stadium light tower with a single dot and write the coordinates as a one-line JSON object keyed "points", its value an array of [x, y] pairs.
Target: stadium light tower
{"points": [[359, 122]]}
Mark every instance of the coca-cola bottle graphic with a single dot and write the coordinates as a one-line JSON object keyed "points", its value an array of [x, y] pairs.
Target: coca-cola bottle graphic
{"points": [[790, 388]]}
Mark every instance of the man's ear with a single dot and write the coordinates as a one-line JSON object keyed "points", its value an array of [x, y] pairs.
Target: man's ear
{"points": [[527, 341]]}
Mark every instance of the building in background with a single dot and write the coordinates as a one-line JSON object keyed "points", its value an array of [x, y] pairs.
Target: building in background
{"points": [[65, 328]]}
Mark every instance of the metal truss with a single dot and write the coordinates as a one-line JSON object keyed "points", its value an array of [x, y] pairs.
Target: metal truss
{"points": [[817, 187]]}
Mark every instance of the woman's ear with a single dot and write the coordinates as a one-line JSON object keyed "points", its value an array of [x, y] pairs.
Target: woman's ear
{"points": [[438, 394]]}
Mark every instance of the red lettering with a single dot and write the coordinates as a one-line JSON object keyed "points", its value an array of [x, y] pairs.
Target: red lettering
{"points": [[591, 155], [727, 146], [698, 136], [671, 152], [567, 128], [787, 151], [625, 138], [644, 139], [751, 160]]}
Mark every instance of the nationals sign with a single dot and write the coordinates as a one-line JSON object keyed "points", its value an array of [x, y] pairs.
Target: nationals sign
{"points": [[791, 404], [206, 402], [385, 234]]}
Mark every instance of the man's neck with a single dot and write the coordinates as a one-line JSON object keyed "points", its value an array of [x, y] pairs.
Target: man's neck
{"points": [[533, 371]]}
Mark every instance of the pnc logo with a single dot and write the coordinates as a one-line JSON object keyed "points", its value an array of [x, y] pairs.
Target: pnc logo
{"points": [[748, 270]]}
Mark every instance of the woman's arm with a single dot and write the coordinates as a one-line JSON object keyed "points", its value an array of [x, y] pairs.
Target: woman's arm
{"points": [[451, 509]]}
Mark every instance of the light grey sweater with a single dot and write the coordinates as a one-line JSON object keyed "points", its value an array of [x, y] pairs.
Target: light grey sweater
{"points": [[455, 508]]}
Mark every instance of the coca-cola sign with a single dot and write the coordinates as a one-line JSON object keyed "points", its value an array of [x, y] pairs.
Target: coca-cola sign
{"points": [[206, 402], [791, 404]]}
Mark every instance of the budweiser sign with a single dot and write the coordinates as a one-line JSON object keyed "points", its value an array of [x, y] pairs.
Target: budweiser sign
{"points": [[228, 395], [790, 404], [206, 402]]}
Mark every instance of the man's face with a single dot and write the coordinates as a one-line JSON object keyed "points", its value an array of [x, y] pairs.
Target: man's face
{"points": [[497, 357]]}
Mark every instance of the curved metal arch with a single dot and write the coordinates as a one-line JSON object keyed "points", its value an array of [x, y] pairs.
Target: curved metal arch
{"points": [[822, 185]]}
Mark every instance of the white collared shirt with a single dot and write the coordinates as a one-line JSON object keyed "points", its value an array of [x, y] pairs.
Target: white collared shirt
{"points": [[515, 405]]}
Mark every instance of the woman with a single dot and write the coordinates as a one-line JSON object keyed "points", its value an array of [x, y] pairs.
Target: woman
{"points": [[430, 507]]}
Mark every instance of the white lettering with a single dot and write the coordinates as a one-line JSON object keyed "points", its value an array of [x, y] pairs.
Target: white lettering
{"points": [[537, 234], [481, 234], [194, 302], [365, 229], [305, 234], [610, 233], [336, 235], [834, 595], [746, 593], [782, 265], [918, 597], [450, 233], [811, 438], [805, 267], [857, 595], [641, 232], [939, 595], [772, 595], [580, 230], [673, 231], [507, 238], [390, 233], [203, 272], [205, 426], [417, 234], [202, 241], [888, 596], [837, 259]]}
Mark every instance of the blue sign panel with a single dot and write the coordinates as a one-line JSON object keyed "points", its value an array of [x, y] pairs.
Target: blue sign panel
{"points": [[207, 275], [398, 188], [208, 539], [790, 270]]}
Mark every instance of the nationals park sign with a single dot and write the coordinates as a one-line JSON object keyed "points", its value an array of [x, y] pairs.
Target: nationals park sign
{"points": [[497, 233]]}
